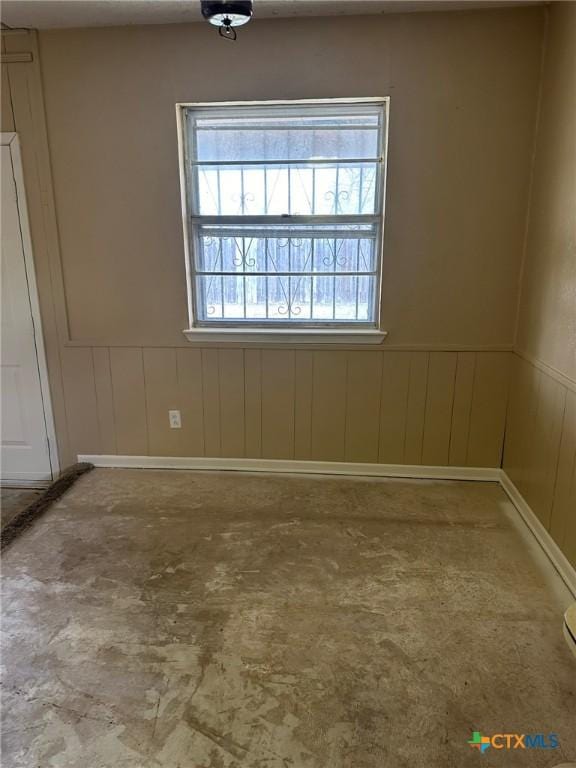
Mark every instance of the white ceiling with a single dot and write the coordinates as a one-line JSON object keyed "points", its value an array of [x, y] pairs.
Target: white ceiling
{"points": [[51, 14]]}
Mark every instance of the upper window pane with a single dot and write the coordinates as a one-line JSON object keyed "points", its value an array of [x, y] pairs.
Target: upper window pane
{"points": [[330, 189], [297, 137]]}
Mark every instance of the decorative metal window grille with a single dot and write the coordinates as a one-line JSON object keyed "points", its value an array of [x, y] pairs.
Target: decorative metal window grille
{"points": [[284, 213]]}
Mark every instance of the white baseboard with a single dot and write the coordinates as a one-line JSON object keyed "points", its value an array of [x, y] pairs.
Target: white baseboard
{"points": [[544, 539], [408, 471], [412, 471]]}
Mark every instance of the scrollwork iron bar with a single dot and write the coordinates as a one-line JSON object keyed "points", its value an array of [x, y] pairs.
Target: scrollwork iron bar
{"points": [[358, 241], [336, 204], [289, 309], [313, 244], [221, 246]]}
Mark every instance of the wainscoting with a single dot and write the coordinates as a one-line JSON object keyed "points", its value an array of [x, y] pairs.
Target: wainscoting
{"points": [[392, 407], [540, 451]]}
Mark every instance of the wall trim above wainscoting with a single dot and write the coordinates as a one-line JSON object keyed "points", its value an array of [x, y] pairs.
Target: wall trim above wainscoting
{"points": [[291, 466], [233, 343], [554, 373], [353, 469]]}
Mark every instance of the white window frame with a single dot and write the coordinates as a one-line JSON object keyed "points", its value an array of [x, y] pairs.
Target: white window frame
{"points": [[297, 332]]}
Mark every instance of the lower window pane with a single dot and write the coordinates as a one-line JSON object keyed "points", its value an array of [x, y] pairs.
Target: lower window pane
{"points": [[234, 297], [209, 297], [255, 298], [301, 293], [343, 298], [365, 305], [287, 298]]}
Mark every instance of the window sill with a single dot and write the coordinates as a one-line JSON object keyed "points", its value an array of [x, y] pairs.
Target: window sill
{"points": [[287, 336]]}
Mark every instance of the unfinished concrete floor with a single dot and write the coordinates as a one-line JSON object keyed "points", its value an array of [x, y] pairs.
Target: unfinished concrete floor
{"points": [[219, 620]]}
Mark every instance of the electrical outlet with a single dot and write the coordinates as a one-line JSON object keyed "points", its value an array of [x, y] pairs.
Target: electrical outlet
{"points": [[175, 420]]}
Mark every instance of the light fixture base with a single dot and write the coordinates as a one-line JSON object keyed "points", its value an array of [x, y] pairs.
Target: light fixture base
{"points": [[226, 14]]}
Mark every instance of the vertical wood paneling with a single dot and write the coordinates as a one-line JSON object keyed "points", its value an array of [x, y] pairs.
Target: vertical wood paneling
{"points": [[253, 402], [81, 404], [104, 399], [439, 401], [329, 406], [303, 405], [416, 407], [488, 413], [546, 446], [540, 455], [361, 406], [231, 377], [515, 419], [189, 374], [462, 405], [525, 382], [565, 499], [161, 382], [569, 545], [278, 381], [393, 406], [563, 518], [529, 449], [211, 399], [363, 392], [126, 366]]}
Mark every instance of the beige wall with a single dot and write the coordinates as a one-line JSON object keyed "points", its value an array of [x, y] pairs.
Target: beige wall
{"points": [[540, 454], [547, 318], [463, 90]]}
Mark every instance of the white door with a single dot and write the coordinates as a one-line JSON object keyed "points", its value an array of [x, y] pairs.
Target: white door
{"points": [[25, 449]]}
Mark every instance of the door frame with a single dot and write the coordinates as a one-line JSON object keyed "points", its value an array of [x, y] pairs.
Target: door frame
{"points": [[11, 140]]}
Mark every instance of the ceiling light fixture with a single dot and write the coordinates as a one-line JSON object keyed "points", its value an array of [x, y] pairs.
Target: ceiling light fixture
{"points": [[227, 15]]}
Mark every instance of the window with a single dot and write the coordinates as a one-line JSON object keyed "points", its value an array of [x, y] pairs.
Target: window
{"points": [[284, 214]]}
